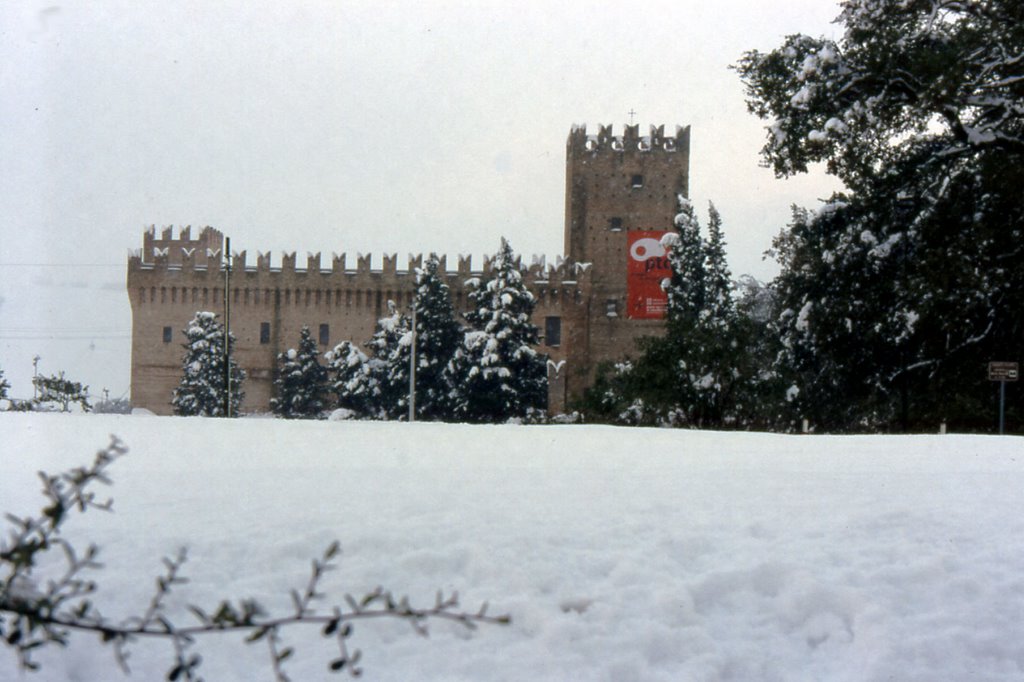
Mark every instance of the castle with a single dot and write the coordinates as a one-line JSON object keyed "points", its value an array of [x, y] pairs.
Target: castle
{"points": [[592, 305]]}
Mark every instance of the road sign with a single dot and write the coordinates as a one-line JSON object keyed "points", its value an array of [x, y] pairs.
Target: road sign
{"points": [[1003, 371]]}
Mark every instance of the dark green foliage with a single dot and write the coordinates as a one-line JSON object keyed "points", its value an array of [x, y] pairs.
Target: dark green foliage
{"points": [[438, 336], [895, 295], [301, 382]]}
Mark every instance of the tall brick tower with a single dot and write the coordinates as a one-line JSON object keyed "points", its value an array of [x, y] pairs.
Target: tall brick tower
{"points": [[620, 193]]}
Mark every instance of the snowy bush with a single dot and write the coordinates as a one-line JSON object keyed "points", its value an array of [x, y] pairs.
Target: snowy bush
{"points": [[4, 386], [353, 378], [108, 405], [57, 391]]}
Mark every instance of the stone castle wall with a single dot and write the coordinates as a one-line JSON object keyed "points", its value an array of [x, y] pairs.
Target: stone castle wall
{"points": [[176, 276]]}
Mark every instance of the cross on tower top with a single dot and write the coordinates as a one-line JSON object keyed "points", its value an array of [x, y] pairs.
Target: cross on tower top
{"points": [[631, 115]]}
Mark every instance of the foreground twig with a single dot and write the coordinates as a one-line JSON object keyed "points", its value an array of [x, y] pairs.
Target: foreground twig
{"points": [[31, 617]]}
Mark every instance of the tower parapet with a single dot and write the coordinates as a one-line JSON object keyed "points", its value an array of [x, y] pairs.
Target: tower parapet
{"points": [[199, 252], [629, 142]]}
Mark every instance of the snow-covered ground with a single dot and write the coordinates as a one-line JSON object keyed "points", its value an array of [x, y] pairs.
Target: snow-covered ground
{"points": [[621, 554]]}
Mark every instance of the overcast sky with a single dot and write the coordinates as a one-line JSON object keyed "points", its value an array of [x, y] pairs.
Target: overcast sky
{"points": [[358, 127]]}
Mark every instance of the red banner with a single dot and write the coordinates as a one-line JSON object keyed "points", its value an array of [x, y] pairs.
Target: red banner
{"points": [[647, 267]]}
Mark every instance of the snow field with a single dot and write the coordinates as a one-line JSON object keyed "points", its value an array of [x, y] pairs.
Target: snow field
{"points": [[621, 554]]}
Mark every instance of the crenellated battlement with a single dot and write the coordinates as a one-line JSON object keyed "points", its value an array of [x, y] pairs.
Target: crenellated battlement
{"points": [[203, 258], [205, 250], [630, 141]]}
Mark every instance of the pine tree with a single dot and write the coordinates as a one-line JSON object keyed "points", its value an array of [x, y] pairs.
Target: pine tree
{"points": [[301, 381], [390, 347], [499, 374], [719, 307], [687, 288], [438, 336], [203, 390], [354, 380]]}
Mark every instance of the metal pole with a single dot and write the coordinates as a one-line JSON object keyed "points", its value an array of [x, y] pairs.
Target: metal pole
{"points": [[227, 326], [412, 368], [1002, 405]]}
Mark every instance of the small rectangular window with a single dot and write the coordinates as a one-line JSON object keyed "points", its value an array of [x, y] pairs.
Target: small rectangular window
{"points": [[612, 307], [264, 332], [167, 334], [615, 224], [553, 331], [325, 334], [638, 181]]}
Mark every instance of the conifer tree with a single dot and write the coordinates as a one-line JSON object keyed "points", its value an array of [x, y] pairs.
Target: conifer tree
{"points": [[203, 387], [390, 347], [438, 336], [701, 317], [301, 381], [499, 374], [685, 252], [718, 280], [353, 379]]}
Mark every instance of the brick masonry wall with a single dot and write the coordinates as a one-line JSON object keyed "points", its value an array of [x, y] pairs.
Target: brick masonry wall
{"points": [[165, 292]]}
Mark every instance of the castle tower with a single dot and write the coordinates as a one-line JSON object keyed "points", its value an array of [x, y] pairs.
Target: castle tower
{"points": [[620, 194]]}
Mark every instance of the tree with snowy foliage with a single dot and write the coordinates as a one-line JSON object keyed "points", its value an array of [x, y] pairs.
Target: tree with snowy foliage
{"points": [[438, 336], [497, 372], [390, 347], [705, 370], [353, 378], [301, 381], [203, 387], [4, 386], [896, 292], [60, 391]]}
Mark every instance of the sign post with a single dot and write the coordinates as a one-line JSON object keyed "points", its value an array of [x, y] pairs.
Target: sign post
{"points": [[1003, 372]]}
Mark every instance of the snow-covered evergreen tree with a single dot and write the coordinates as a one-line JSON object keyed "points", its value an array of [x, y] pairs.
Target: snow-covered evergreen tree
{"points": [[438, 336], [390, 347], [719, 306], [499, 375], [687, 288], [301, 382], [4, 386], [353, 379], [203, 387]]}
